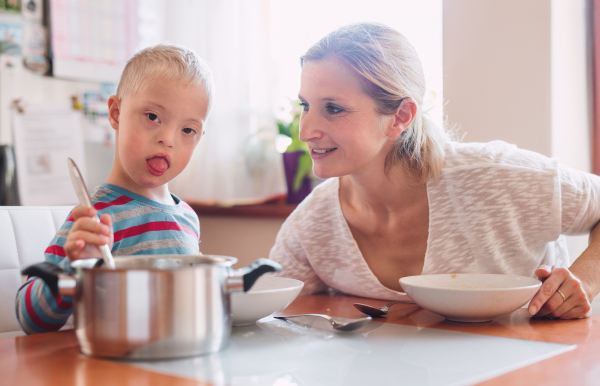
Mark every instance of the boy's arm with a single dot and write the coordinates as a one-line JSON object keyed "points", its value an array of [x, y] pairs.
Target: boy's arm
{"points": [[38, 310]]}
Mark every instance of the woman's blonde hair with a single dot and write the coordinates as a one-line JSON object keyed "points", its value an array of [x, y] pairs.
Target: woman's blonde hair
{"points": [[165, 61], [390, 71]]}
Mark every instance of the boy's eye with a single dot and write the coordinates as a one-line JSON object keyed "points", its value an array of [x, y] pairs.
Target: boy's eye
{"points": [[187, 130], [304, 106], [152, 117], [331, 109]]}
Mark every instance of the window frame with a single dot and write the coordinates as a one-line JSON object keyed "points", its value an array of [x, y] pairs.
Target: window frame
{"points": [[596, 87]]}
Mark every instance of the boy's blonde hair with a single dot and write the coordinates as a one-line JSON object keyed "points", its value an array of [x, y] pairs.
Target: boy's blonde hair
{"points": [[168, 62], [389, 70]]}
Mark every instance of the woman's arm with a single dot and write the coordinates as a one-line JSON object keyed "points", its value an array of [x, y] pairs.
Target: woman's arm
{"points": [[578, 285], [587, 266], [567, 293]]}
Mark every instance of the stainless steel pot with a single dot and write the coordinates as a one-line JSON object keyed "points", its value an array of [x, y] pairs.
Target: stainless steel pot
{"points": [[155, 306]]}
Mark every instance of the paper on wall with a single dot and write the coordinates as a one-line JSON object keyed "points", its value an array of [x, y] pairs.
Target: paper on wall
{"points": [[92, 40], [45, 135]]}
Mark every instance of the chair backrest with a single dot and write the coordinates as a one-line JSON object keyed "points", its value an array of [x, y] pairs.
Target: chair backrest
{"points": [[25, 232]]}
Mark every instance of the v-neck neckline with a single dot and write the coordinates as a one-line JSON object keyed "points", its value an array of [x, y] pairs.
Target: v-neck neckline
{"points": [[348, 235]]}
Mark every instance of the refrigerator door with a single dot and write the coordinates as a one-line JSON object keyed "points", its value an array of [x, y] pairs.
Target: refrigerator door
{"points": [[8, 177]]}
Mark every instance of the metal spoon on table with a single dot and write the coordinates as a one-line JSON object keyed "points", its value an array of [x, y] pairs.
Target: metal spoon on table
{"points": [[340, 324], [84, 200], [374, 311]]}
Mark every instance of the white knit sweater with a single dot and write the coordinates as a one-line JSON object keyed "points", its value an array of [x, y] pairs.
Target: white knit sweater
{"points": [[495, 209]]}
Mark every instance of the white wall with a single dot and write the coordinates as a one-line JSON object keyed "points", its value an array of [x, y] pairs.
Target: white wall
{"points": [[19, 83], [241, 237], [571, 80], [497, 70], [518, 71]]}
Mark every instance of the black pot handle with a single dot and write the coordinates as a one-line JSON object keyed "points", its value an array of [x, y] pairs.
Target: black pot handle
{"points": [[252, 272], [46, 271]]}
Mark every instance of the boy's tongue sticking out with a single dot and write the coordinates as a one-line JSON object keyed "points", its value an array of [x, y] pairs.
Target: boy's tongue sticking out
{"points": [[157, 165]]}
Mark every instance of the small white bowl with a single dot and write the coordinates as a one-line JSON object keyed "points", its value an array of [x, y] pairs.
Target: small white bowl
{"points": [[470, 297], [269, 295]]}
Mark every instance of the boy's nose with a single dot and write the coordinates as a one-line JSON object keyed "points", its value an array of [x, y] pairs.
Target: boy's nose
{"points": [[308, 128], [166, 136]]}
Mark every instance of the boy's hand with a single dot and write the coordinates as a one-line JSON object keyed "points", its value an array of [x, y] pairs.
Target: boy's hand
{"points": [[86, 234]]}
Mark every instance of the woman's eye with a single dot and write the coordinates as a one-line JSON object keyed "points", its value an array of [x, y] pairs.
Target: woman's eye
{"points": [[152, 117], [187, 130], [333, 109], [304, 106]]}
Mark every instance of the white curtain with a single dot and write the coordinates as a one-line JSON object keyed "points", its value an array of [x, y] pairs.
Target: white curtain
{"points": [[253, 47], [236, 161]]}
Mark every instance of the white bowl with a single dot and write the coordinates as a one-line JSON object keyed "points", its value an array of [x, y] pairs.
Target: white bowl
{"points": [[470, 297], [269, 295]]}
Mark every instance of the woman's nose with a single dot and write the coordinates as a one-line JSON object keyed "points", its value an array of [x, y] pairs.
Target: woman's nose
{"points": [[308, 128]]}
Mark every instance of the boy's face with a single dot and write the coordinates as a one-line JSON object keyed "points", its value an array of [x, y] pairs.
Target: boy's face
{"points": [[157, 131]]}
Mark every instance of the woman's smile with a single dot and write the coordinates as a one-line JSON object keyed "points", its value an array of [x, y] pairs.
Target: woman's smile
{"points": [[320, 153]]}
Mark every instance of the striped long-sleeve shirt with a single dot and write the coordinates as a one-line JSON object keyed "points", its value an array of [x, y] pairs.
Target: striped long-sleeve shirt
{"points": [[141, 227]]}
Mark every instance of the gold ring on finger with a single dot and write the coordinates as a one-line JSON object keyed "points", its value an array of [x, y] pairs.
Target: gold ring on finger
{"points": [[561, 294]]}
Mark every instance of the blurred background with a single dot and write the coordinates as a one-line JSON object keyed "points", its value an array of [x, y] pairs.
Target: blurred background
{"points": [[519, 71]]}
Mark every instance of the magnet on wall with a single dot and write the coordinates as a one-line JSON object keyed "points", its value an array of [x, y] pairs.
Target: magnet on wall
{"points": [[12, 5], [33, 10], [37, 64]]}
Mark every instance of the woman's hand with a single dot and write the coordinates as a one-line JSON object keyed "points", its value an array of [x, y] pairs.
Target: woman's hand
{"points": [[560, 296], [86, 234]]}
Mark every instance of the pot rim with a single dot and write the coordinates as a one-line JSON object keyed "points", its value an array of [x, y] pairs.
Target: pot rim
{"points": [[203, 261]]}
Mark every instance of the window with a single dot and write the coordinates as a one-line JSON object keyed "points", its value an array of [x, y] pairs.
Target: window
{"points": [[294, 27], [596, 88], [253, 47]]}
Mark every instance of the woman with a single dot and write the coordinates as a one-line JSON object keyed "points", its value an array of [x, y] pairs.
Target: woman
{"points": [[403, 199]]}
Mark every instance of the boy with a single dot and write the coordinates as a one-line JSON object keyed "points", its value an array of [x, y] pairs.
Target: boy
{"points": [[158, 114]]}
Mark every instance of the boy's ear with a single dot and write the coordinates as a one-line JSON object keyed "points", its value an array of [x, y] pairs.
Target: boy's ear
{"points": [[402, 118], [114, 110]]}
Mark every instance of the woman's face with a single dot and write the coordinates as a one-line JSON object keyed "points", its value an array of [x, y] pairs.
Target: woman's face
{"points": [[339, 123]]}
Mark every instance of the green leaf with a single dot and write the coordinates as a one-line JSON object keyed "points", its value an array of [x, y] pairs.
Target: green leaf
{"points": [[304, 170], [296, 144], [284, 129]]}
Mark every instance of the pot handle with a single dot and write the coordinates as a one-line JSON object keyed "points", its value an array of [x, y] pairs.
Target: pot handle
{"points": [[244, 278], [54, 277]]}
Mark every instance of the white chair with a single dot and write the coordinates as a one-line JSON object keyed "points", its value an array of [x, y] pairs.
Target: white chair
{"points": [[25, 232]]}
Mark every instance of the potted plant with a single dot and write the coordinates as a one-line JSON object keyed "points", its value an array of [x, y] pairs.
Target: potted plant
{"points": [[296, 160]]}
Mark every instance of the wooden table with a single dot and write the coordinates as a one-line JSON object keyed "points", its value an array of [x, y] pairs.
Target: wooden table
{"points": [[54, 358]]}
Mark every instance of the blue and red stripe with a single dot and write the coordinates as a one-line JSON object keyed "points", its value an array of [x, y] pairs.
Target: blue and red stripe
{"points": [[122, 200], [140, 220], [156, 226], [29, 305]]}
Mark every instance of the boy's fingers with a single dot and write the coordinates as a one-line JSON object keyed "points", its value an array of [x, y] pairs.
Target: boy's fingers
{"points": [[83, 211], [90, 238], [74, 245], [105, 219], [74, 248], [88, 224]]}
